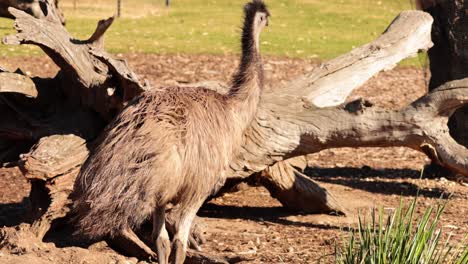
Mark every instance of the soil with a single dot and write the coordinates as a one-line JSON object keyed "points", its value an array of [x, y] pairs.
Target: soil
{"points": [[249, 223]]}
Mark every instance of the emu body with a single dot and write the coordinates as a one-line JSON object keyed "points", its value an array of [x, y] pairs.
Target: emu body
{"points": [[170, 145], [167, 145]]}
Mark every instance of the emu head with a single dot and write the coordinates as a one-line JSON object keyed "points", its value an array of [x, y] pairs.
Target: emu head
{"points": [[261, 13], [256, 18]]}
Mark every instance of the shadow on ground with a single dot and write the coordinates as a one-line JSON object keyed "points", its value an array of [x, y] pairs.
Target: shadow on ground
{"points": [[12, 214], [376, 180], [275, 214]]}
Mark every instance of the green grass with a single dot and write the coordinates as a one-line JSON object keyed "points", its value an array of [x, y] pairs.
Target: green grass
{"points": [[401, 239], [299, 28]]}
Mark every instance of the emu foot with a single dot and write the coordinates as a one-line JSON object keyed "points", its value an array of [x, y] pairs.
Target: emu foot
{"points": [[195, 257], [163, 246], [129, 244], [177, 252], [196, 238]]}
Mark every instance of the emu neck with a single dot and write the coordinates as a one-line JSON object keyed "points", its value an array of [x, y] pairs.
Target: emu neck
{"points": [[248, 81]]}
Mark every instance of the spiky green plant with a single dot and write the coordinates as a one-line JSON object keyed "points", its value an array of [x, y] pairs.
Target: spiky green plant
{"points": [[401, 239]]}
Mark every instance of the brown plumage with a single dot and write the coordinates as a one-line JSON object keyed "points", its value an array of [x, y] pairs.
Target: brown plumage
{"points": [[170, 145]]}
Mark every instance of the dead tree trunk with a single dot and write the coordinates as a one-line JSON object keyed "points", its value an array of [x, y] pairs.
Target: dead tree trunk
{"points": [[63, 115], [449, 56]]}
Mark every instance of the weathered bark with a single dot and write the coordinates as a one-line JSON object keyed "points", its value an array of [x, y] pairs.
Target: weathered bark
{"points": [[449, 56], [303, 117], [52, 166], [32, 7], [92, 79], [287, 183], [18, 83]]}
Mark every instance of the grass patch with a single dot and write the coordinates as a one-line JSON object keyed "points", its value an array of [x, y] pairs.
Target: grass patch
{"points": [[401, 239], [299, 28]]}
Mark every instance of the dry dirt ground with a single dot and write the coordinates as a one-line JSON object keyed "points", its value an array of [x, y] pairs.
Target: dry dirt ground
{"points": [[249, 223]]}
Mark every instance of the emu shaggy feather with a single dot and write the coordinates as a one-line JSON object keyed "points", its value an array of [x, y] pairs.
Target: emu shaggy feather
{"points": [[169, 145], [165, 145]]}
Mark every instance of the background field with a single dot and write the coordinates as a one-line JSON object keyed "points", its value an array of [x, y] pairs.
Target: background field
{"points": [[299, 28]]}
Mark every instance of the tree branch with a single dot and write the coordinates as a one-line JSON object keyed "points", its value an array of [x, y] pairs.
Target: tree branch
{"points": [[97, 39], [17, 83], [295, 128], [285, 181], [89, 81], [332, 82]]}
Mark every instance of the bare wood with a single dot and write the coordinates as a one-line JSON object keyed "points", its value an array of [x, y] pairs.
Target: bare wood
{"points": [[72, 58], [53, 12], [332, 82], [97, 39], [23, 122], [132, 85], [11, 129], [59, 190], [89, 79], [53, 37], [55, 161], [54, 156], [17, 83], [297, 128], [297, 191]]}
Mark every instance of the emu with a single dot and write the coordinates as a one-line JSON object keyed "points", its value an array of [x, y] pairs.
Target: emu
{"points": [[170, 145]]}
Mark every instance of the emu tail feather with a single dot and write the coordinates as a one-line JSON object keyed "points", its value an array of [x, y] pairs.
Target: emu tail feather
{"points": [[118, 186]]}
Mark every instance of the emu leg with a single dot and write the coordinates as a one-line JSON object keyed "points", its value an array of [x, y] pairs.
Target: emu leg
{"points": [[196, 238], [163, 245], [129, 243], [182, 230]]}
